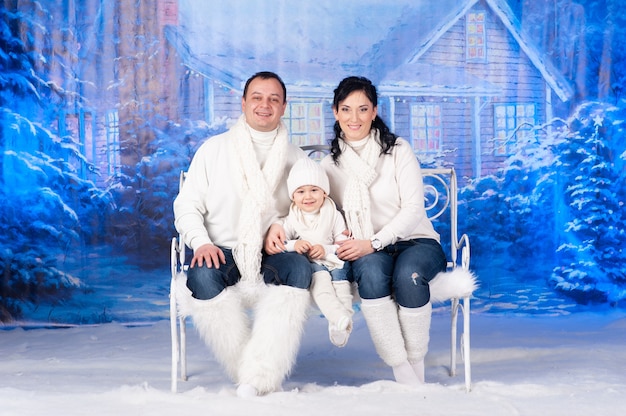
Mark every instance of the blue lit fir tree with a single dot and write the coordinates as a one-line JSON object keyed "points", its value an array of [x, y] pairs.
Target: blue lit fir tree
{"points": [[48, 211], [592, 252]]}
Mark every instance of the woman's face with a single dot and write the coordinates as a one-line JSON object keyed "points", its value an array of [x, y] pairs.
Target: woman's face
{"points": [[355, 115]]}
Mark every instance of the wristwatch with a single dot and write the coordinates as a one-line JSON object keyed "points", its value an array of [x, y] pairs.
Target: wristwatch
{"points": [[376, 244]]}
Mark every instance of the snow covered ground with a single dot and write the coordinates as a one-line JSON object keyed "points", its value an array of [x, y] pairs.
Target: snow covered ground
{"points": [[572, 364]]}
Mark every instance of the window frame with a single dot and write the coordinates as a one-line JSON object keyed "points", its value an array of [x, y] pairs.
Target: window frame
{"points": [[307, 114], [431, 141], [510, 126], [112, 144], [476, 36]]}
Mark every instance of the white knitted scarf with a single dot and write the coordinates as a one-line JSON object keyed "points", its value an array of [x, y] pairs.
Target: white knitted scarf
{"points": [[317, 228], [360, 168], [256, 188]]}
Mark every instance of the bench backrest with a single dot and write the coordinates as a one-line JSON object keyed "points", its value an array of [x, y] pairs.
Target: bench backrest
{"points": [[440, 194]]}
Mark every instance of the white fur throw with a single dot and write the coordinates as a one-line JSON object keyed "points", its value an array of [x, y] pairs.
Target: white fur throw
{"points": [[457, 283]]}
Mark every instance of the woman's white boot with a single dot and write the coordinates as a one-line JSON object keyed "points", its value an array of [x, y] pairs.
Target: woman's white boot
{"points": [[415, 324], [381, 316]]}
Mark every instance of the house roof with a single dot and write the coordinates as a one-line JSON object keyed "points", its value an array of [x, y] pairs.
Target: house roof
{"points": [[501, 9], [540, 59], [229, 41]]}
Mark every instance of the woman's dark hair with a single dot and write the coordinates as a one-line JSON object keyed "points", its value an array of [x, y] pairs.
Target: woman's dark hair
{"points": [[346, 87]]}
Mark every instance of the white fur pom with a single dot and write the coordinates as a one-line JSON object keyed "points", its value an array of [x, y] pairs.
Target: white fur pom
{"points": [[457, 283]]}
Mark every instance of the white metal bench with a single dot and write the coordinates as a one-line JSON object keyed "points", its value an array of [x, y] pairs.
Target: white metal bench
{"points": [[456, 285]]}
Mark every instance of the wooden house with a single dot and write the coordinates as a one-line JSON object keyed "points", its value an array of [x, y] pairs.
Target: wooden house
{"points": [[459, 79]]}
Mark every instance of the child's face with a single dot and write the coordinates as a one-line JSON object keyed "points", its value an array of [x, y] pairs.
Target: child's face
{"points": [[309, 198]]}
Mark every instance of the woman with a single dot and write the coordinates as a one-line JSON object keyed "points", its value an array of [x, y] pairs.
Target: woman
{"points": [[376, 180]]}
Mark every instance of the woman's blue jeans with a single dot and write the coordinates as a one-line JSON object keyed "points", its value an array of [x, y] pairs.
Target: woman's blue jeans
{"points": [[290, 269], [402, 269]]}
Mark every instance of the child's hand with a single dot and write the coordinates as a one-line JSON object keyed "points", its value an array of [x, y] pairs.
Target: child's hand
{"points": [[317, 252], [302, 246]]}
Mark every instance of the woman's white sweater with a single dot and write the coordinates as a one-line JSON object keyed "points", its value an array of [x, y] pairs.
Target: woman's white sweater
{"points": [[397, 195]]}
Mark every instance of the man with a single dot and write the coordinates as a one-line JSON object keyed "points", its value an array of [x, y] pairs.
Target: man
{"points": [[234, 189]]}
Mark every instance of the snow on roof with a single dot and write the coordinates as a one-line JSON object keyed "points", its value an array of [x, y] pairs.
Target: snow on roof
{"points": [[420, 79], [229, 41]]}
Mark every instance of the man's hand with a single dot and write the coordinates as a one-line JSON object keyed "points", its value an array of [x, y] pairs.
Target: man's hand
{"points": [[274, 240], [208, 254]]}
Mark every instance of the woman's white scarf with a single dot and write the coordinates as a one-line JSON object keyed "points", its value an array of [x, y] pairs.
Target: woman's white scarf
{"points": [[256, 188], [317, 228], [361, 173]]}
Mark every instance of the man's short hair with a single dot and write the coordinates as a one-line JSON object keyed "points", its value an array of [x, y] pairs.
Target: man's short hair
{"points": [[266, 75]]}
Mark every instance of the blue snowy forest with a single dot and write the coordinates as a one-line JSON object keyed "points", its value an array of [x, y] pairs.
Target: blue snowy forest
{"points": [[104, 102]]}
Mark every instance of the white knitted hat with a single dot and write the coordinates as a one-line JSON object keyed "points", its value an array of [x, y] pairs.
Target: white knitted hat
{"points": [[307, 172]]}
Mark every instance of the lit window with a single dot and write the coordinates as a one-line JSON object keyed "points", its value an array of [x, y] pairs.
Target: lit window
{"points": [[513, 122], [475, 38], [111, 148], [426, 133], [306, 122], [80, 127]]}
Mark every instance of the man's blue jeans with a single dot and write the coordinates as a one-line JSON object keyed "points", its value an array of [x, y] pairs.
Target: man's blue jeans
{"points": [[402, 269], [290, 269]]}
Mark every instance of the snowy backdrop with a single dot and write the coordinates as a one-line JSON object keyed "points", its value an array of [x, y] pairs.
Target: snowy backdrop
{"points": [[103, 102]]}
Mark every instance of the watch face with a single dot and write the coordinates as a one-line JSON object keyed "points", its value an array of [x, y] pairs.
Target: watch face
{"points": [[376, 245]]}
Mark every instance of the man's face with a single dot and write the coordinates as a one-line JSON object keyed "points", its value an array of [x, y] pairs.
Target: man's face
{"points": [[263, 104]]}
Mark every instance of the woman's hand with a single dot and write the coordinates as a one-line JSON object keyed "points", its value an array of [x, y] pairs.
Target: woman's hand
{"points": [[274, 239], [351, 250], [208, 254]]}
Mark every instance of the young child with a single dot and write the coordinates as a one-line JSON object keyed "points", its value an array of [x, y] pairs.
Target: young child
{"points": [[312, 227]]}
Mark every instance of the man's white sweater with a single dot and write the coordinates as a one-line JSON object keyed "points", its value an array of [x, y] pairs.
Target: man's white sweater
{"points": [[208, 207]]}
